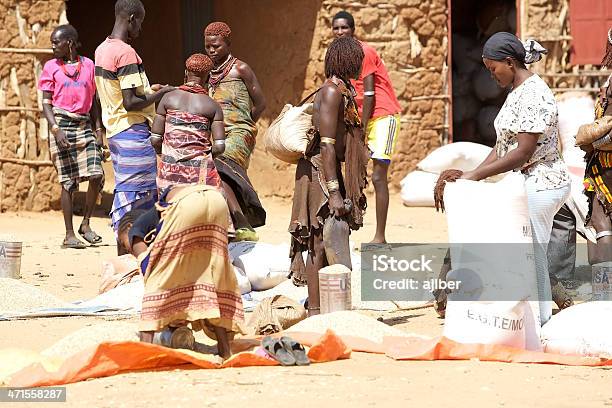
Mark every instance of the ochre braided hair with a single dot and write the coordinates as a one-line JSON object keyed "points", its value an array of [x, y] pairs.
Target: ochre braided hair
{"points": [[343, 58], [219, 28], [199, 64], [449, 175]]}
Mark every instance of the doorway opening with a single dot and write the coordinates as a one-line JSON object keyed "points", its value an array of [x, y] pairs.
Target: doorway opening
{"points": [[476, 96]]}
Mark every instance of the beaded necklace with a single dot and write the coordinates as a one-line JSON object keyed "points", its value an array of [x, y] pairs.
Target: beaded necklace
{"points": [[193, 88], [77, 71], [218, 74]]}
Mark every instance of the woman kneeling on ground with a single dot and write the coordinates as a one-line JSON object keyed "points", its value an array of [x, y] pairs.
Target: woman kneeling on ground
{"points": [[182, 250], [527, 141]]}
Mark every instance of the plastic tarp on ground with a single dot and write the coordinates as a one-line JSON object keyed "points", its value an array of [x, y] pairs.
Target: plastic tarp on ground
{"points": [[109, 359]]}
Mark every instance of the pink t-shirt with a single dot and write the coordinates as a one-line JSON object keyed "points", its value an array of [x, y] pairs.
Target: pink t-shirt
{"points": [[73, 95]]}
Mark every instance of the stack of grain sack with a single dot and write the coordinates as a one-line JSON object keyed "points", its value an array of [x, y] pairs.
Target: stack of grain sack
{"points": [[476, 96], [498, 300], [418, 185]]}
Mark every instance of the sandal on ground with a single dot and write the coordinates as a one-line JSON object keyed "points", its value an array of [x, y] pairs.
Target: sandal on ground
{"points": [[90, 236], [246, 234], [277, 351], [561, 297], [73, 243], [296, 349]]}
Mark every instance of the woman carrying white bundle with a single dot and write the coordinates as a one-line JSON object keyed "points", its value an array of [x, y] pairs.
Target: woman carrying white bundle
{"points": [[527, 141]]}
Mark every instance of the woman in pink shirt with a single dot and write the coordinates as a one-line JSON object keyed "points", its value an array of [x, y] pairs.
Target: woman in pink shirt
{"points": [[70, 107]]}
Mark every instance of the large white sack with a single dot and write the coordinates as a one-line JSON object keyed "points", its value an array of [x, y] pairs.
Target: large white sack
{"points": [[243, 280], [465, 156], [417, 188], [495, 216], [574, 110], [266, 265], [582, 330], [503, 323], [286, 137]]}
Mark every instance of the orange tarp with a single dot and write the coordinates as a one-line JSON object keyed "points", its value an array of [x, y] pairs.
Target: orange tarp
{"points": [[441, 348], [109, 359]]}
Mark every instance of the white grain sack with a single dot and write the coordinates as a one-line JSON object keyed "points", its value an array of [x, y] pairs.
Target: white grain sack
{"points": [[92, 335], [348, 323], [16, 296]]}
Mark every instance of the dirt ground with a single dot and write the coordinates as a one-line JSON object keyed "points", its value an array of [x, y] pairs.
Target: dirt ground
{"points": [[364, 380]]}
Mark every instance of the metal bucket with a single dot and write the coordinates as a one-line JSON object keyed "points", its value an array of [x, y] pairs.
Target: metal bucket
{"points": [[602, 281], [10, 259], [335, 288], [175, 337]]}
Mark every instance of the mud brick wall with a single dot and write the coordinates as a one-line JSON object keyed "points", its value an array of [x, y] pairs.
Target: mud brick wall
{"points": [[410, 36], [27, 181]]}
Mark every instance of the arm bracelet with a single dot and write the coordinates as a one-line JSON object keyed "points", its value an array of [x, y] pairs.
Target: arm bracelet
{"points": [[602, 141], [328, 140], [369, 93], [220, 142], [333, 185], [46, 101]]}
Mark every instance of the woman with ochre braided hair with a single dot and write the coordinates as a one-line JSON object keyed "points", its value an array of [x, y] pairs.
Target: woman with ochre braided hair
{"points": [[233, 84], [322, 189], [182, 129]]}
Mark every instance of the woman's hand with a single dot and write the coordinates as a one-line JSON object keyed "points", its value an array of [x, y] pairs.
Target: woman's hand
{"points": [[336, 204], [100, 136], [60, 139], [156, 142]]}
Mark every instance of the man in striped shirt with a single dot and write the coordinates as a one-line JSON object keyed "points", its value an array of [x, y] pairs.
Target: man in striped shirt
{"points": [[128, 109]]}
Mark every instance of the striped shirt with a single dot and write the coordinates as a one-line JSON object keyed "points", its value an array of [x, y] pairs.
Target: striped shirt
{"points": [[119, 67]]}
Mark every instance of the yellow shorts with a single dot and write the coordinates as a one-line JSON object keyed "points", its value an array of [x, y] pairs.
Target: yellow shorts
{"points": [[382, 134]]}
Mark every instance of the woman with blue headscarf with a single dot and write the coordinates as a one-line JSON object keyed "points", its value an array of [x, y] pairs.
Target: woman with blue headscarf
{"points": [[527, 141]]}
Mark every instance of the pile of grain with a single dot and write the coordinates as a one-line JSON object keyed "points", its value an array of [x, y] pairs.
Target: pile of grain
{"points": [[348, 324], [92, 335], [16, 296]]}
